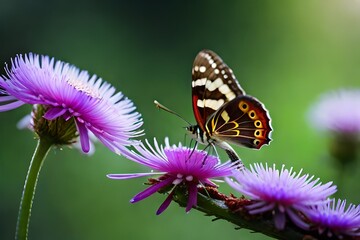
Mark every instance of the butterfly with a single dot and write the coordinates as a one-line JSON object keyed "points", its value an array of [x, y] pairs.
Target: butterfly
{"points": [[223, 112]]}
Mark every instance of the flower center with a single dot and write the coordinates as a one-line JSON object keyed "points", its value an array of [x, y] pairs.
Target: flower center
{"points": [[84, 87]]}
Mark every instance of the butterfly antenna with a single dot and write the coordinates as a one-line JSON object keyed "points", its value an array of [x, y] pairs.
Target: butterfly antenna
{"points": [[160, 106]]}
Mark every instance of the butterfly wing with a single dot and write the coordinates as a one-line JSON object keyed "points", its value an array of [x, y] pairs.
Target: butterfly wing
{"points": [[213, 85], [242, 121]]}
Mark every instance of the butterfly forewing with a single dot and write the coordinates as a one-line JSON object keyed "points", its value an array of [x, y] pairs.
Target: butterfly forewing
{"points": [[242, 121], [213, 85]]}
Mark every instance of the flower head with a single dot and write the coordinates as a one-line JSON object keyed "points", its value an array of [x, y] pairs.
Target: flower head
{"points": [[65, 91], [282, 192], [334, 218], [178, 166], [337, 111]]}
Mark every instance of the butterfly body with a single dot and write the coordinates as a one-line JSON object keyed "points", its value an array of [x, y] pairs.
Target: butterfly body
{"points": [[223, 112]]}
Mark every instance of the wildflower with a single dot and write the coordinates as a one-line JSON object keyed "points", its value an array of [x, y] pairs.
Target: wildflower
{"points": [[177, 166], [281, 192], [334, 218], [65, 91], [338, 114], [337, 111]]}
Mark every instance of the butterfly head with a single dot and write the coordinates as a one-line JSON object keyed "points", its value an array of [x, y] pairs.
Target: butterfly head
{"points": [[196, 133]]}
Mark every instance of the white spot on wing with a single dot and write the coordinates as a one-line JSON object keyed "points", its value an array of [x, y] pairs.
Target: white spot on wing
{"points": [[210, 103], [200, 103], [211, 86], [224, 89], [213, 65], [196, 68], [230, 95], [214, 104], [199, 82], [216, 71], [202, 69]]}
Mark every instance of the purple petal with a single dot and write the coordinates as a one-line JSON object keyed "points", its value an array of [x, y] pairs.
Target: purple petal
{"points": [[296, 219], [165, 204], [84, 136], [151, 190], [192, 188], [260, 207], [279, 219], [11, 106], [54, 112], [6, 98], [130, 175]]}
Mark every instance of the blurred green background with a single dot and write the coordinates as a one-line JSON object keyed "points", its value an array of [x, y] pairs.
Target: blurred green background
{"points": [[285, 53]]}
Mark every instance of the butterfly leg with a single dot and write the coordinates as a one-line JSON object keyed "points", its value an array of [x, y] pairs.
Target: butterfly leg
{"points": [[194, 148], [216, 152], [211, 146], [185, 139]]}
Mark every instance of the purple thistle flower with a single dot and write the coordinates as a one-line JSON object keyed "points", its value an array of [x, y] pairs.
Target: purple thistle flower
{"points": [[281, 192], [67, 92], [177, 166], [337, 111], [334, 219]]}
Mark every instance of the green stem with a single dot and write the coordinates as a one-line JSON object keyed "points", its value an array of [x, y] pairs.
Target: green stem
{"points": [[37, 160]]}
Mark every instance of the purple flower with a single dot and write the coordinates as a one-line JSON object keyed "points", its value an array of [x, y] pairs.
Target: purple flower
{"points": [[334, 219], [177, 166], [337, 111], [69, 93], [281, 192]]}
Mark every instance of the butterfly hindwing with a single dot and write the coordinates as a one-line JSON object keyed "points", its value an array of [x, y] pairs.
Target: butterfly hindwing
{"points": [[242, 121], [213, 85]]}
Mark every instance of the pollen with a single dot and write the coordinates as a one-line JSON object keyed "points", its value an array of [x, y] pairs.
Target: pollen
{"points": [[84, 87]]}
